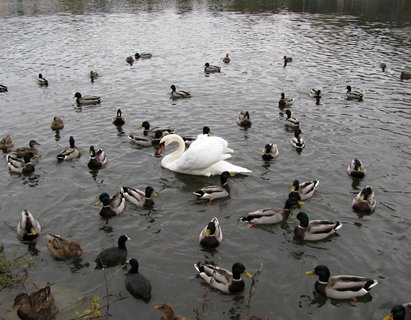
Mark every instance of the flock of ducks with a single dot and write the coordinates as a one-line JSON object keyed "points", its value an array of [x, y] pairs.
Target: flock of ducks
{"points": [[204, 155]]}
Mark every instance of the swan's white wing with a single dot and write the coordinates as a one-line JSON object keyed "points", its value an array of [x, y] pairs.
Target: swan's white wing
{"points": [[202, 154]]}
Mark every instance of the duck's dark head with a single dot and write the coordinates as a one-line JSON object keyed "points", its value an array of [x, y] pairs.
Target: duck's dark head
{"points": [[288, 113], [238, 269], [206, 64], [92, 151], [321, 271], [77, 95], [206, 130], [104, 198], [173, 87], [71, 141], [149, 192], [397, 313], [303, 218], [145, 125]]}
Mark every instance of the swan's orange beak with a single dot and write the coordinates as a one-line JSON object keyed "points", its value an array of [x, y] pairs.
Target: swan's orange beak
{"points": [[160, 149]]}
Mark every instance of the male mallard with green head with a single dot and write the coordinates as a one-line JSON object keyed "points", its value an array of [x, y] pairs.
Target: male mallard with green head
{"points": [[342, 286], [111, 206]]}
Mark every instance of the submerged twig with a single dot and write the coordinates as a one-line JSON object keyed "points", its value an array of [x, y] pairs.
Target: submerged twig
{"points": [[252, 288]]}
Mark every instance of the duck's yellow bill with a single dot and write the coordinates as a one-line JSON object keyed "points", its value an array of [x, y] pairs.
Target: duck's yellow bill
{"points": [[36, 156], [389, 317], [33, 231], [294, 217], [97, 202], [362, 197], [247, 273], [310, 273], [207, 233], [300, 203], [293, 188], [154, 194]]}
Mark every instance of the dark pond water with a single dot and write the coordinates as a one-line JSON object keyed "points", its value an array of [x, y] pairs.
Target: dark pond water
{"points": [[333, 44]]}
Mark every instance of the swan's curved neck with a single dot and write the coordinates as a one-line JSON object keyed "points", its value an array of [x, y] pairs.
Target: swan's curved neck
{"points": [[178, 152]]}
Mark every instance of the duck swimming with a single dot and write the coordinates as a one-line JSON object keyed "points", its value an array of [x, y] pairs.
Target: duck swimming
{"points": [[28, 228], [38, 305], [97, 159], [400, 312], [353, 95], [119, 119], [69, 153], [150, 131], [285, 101], [205, 157], [86, 100], [211, 235], [6, 143], [144, 55], [57, 124], [111, 206], [178, 94], [20, 152], [188, 140], [215, 192], [291, 123], [42, 81], [297, 142], [222, 279], [93, 75], [271, 215], [169, 313], [130, 60], [210, 68], [226, 59], [356, 169], [17, 165], [364, 201], [146, 141], [63, 248], [341, 287], [243, 119], [139, 198], [270, 151], [314, 230], [303, 191]]}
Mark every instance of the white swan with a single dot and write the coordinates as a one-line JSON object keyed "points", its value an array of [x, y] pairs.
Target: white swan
{"points": [[205, 157]]}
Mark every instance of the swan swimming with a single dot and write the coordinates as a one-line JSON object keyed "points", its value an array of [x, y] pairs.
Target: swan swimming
{"points": [[205, 157]]}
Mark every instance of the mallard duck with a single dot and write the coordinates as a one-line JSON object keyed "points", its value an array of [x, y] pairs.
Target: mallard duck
{"points": [[316, 94], [243, 119], [28, 228], [222, 279], [353, 95], [136, 283], [57, 124], [111, 206], [69, 153], [400, 312], [144, 55], [6, 143], [119, 119], [303, 191], [226, 59], [296, 141], [130, 60], [63, 248], [314, 230], [139, 198], [205, 157], [270, 151], [38, 305], [86, 100], [405, 75], [20, 152], [188, 140], [150, 131], [215, 192], [383, 66], [210, 68], [342, 286], [146, 141], [178, 94], [356, 169], [93, 75], [169, 313], [3, 88], [285, 101], [211, 236], [364, 201], [113, 256], [17, 165], [42, 81], [291, 123], [97, 159], [287, 60], [271, 215]]}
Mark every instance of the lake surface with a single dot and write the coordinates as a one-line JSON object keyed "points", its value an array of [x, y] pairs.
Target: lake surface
{"points": [[332, 46]]}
